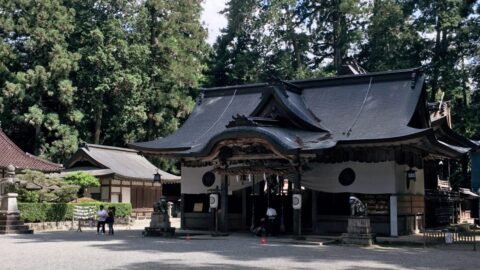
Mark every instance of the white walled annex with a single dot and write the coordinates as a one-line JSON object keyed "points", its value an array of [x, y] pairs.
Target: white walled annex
{"points": [[192, 181], [370, 178]]}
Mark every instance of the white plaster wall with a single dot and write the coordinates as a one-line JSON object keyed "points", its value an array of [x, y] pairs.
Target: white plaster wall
{"points": [[192, 181], [105, 192], [126, 195], [416, 187], [115, 198], [370, 178]]}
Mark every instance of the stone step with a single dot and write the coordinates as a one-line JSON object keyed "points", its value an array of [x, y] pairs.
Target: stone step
{"points": [[11, 222], [15, 217], [16, 231], [13, 227]]}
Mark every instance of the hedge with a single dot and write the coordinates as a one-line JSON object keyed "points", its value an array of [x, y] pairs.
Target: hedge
{"points": [[48, 212]]}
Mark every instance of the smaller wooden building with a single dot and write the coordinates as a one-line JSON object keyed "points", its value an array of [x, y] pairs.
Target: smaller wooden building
{"points": [[125, 175]]}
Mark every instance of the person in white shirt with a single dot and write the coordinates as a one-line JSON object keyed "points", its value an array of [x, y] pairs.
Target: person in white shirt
{"points": [[271, 218], [101, 217], [271, 213]]}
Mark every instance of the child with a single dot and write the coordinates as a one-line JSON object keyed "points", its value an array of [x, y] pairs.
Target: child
{"points": [[110, 219]]}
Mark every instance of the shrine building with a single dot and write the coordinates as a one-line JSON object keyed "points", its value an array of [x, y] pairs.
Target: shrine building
{"points": [[369, 135]]}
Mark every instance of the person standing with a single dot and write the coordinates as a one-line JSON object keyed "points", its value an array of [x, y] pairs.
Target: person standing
{"points": [[110, 219], [271, 218], [101, 217]]}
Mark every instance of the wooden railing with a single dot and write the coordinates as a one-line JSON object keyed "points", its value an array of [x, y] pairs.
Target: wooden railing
{"points": [[467, 237]]}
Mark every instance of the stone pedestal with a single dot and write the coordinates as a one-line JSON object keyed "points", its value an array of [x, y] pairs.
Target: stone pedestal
{"points": [[9, 204], [10, 222], [359, 232], [159, 226]]}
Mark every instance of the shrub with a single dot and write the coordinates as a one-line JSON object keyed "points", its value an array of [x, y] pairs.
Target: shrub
{"points": [[49, 212], [82, 179], [28, 196], [61, 193]]}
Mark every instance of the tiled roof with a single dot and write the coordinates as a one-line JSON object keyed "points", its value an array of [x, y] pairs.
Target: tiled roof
{"points": [[10, 153], [122, 162]]}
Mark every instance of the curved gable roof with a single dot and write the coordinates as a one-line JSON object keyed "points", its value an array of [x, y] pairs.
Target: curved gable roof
{"points": [[367, 108]]}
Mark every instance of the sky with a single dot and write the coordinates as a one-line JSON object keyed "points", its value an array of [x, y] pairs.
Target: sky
{"points": [[212, 19]]}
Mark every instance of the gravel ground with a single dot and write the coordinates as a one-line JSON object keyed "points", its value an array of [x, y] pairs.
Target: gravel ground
{"points": [[129, 250]]}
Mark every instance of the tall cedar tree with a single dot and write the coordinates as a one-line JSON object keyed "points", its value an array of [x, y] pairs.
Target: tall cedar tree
{"points": [[37, 106]]}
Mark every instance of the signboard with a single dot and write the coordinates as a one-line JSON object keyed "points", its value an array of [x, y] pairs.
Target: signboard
{"points": [[83, 212], [448, 238]]}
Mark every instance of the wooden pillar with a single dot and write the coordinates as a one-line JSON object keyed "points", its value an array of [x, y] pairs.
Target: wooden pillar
{"points": [[252, 226], [224, 205], [244, 208], [466, 182], [314, 211], [297, 213], [393, 216], [182, 211]]}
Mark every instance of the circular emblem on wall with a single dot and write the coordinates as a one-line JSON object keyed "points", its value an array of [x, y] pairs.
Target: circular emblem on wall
{"points": [[208, 179], [346, 177], [296, 200], [213, 200]]}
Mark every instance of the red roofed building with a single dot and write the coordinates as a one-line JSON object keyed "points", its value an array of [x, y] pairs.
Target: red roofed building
{"points": [[10, 153]]}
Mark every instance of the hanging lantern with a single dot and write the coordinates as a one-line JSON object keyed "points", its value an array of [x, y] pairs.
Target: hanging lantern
{"points": [[157, 177], [411, 176]]}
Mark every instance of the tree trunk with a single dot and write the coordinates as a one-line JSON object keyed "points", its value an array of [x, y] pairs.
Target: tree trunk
{"points": [[38, 134], [98, 126], [150, 132], [340, 30], [436, 55]]}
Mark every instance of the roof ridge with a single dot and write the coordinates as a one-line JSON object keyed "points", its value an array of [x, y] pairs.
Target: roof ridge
{"points": [[43, 160], [334, 78], [99, 146]]}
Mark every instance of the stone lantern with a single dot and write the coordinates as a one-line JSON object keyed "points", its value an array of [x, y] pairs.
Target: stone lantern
{"points": [[9, 214]]}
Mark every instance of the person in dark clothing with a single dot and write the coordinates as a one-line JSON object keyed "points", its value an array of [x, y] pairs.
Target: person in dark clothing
{"points": [[110, 219]]}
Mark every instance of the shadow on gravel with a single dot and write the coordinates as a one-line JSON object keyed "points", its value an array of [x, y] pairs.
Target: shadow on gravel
{"points": [[247, 248], [173, 265]]}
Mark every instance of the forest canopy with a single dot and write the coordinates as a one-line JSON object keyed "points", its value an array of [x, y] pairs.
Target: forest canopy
{"points": [[118, 71]]}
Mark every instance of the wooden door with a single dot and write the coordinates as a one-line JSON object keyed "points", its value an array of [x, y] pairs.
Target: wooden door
{"points": [[136, 197]]}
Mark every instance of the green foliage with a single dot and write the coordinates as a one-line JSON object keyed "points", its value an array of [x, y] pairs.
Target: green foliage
{"points": [[82, 179], [102, 71], [47, 189], [28, 196], [42, 212], [37, 65], [46, 212], [118, 71]]}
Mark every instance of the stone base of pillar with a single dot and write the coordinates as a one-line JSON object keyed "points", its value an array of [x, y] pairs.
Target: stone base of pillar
{"points": [[159, 226], [12, 224], [9, 204], [359, 232]]}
